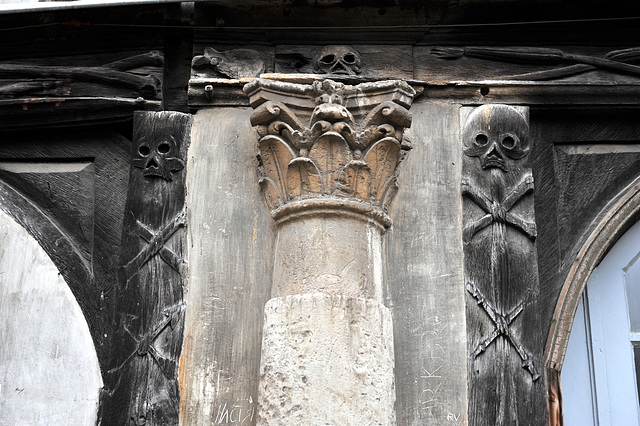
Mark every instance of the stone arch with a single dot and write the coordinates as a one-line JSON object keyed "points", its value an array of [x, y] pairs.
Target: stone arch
{"points": [[49, 370], [613, 221]]}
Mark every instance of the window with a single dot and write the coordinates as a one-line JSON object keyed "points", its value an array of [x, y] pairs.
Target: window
{"points": [[599, 381]]}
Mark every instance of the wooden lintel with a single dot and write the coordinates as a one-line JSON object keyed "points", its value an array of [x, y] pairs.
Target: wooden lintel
{"points": [[228, 92], [29, 112]]}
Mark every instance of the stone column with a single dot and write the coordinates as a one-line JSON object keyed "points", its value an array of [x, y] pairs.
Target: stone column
{"points": [[328, 159]]}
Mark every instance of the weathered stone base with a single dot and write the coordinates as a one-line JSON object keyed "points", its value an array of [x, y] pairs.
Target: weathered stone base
{"points": [[326, 360]]}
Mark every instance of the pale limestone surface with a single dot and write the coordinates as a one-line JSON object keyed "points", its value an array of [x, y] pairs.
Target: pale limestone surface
{"points": [[49, 372], [326, 360], [328, 254]]}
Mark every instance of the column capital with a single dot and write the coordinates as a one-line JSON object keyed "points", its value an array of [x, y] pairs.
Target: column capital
{"points": [[329, 147]]}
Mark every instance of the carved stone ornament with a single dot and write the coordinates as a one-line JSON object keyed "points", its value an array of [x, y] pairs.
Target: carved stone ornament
{"points": [[236, 63], [329, 145], [337, 60]]}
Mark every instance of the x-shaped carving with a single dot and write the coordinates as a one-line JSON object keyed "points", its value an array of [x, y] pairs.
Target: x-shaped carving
{"points": [[145, 346], [498, 211], [155, 245], [502, 327]]}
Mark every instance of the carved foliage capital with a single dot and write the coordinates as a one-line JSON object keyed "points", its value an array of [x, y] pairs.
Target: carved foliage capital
{"points": [[330, 142]]}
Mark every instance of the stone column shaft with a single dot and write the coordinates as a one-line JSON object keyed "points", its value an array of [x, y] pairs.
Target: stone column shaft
{"points": [[328, 157]]}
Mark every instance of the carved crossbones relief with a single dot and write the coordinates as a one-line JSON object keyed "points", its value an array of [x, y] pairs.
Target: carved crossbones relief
{"points": [[156, 241], [498, 211], [337, 60], [497, 135], [145, 342], [501, 327]]}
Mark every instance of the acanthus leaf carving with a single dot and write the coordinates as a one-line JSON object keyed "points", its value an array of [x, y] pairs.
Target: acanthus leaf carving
{"points": [[276, 156], [303, 178], [355, 180], [346, 149], [330, 153], [382, 158]]}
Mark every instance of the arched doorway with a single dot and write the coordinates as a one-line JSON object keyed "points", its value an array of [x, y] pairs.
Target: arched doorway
{"points": [[601, 313], [599, 380], [49, 372]]}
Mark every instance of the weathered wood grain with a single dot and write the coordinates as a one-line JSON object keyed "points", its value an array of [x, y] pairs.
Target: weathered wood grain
{"points": [[80, 88], [45, 112], [142, 381], [231, 239], [105, 30], [145, 85], [506, 382], [67, 188], [527, 63], [177, 50], [423, 273], [582, 158]]}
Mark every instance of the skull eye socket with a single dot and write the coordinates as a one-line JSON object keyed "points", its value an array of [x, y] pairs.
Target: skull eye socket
{"points": [[508, 142], [143, 150], [164, 147], [328, 59], [349, 58], [482, 139]]}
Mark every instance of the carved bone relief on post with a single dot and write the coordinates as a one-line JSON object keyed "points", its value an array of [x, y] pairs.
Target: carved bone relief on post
{"points": [[500, 264], [142, 381]]}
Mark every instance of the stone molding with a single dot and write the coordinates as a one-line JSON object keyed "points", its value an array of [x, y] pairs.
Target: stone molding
{"points": [[330, 147]]}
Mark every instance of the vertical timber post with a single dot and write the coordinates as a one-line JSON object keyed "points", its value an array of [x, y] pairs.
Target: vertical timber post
{"points": [[328, 159], [506, 383], [142, 385]]}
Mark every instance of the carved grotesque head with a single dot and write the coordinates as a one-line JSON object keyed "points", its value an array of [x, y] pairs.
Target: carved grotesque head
{"points": [[496, 134], [337, 60], [155, 157]]}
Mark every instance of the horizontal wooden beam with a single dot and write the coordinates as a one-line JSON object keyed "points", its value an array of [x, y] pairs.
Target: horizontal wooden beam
{"points": [[228, 92], [30, 112]]}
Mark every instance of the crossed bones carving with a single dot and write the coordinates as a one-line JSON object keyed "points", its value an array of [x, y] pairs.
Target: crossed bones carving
{"points": [[498, 211], [156, 241], [502, 327], [144, 344]]}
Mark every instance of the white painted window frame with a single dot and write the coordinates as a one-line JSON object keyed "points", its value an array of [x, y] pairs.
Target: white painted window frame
{"points": [[598, 377]]}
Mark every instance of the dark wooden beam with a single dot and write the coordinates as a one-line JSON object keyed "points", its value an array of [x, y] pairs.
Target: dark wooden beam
{"points": [[141, 384]]}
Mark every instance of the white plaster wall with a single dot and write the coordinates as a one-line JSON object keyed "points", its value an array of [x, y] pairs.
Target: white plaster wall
{"points": [[49, 373]]}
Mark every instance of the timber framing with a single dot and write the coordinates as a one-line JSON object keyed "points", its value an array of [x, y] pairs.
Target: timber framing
{"points": [[73, 77]]}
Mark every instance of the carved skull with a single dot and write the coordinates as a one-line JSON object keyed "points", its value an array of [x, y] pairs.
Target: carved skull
{"points": [[337, 60], [495, 134], [154, 158]]}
